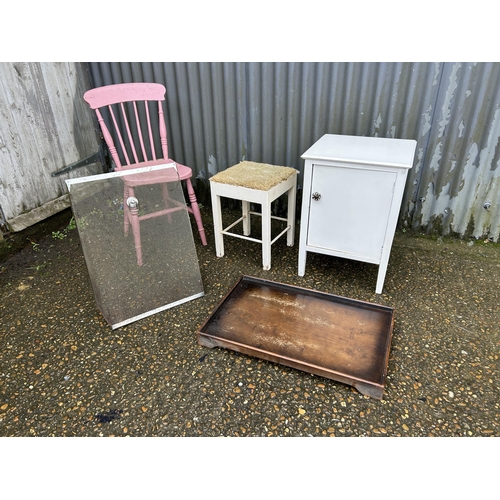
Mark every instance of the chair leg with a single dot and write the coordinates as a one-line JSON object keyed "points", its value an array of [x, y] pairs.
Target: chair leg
{"points": [[196, 211], [126, 211], [137, 235], [133, 216], [166, 200]]}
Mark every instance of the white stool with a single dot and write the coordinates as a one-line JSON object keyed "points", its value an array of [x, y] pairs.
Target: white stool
{"points": [[253, 182]]}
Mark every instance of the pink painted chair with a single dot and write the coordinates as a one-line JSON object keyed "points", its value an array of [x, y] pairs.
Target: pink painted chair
{"points": [[138, 150]]}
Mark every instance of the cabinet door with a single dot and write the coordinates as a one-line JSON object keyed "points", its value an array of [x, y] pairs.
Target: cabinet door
{"points": [[351, 213]]}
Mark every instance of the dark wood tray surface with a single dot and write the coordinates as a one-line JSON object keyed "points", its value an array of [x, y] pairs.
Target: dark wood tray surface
{"points": [[339, 338]]}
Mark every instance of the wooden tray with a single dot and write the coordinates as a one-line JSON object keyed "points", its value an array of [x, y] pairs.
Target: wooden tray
{"points": [[335, 337]]}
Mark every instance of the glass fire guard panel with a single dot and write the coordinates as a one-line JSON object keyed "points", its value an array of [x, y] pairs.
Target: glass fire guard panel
{"points": [[125, 289]]}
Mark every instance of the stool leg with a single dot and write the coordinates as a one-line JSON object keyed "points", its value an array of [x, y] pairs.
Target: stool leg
{"points": [[291, 216], [217, 216], [246, 217], [266, 235]]}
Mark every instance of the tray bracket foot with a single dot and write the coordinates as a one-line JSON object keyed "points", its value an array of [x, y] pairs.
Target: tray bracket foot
{"points": [[370, 390], [206, 342]]}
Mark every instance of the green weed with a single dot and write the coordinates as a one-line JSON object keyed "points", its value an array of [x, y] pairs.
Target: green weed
{"points": [[59, 235], [38, 267], [72, 224]]}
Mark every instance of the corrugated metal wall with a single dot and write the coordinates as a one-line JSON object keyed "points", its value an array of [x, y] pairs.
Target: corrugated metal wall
{"points": [[460, 170], [221, 113], [45, 125]]}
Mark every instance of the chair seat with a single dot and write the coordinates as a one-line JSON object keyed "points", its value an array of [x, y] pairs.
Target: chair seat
{"points": [[158, 176]]}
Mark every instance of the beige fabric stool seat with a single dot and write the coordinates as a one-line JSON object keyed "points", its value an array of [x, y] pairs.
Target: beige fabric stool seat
{"points": [[260, 183]]}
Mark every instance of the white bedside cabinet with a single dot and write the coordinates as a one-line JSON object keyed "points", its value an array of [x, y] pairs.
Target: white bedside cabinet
{"points": [[352, 192]]}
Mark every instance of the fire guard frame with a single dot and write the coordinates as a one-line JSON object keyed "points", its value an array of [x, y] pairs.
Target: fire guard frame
{"points": [[170, 274]]}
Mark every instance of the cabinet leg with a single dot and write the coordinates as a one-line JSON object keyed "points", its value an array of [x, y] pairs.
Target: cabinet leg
{"points": [[302, 262], [381, 277]]}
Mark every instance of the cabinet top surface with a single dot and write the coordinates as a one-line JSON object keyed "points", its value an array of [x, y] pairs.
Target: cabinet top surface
{"points": [[358, 149]]}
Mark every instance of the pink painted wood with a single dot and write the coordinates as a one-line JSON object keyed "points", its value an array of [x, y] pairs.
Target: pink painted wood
{"points": [[130, 153]]}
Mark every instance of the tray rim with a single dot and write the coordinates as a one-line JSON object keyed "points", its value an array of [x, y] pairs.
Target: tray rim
{"points": [[307, 291], [294, 363]]}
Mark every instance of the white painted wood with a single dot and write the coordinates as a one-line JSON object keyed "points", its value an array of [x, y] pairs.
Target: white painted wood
{"points": [[304, 216], [350, 216], [265, 199], [245, 205], [266, 235], [363, 150], [217, 218], [353, 187], [291, 209]]}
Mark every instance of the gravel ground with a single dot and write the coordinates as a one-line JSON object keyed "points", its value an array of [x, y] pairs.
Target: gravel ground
{"points": [[65, 372]]}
